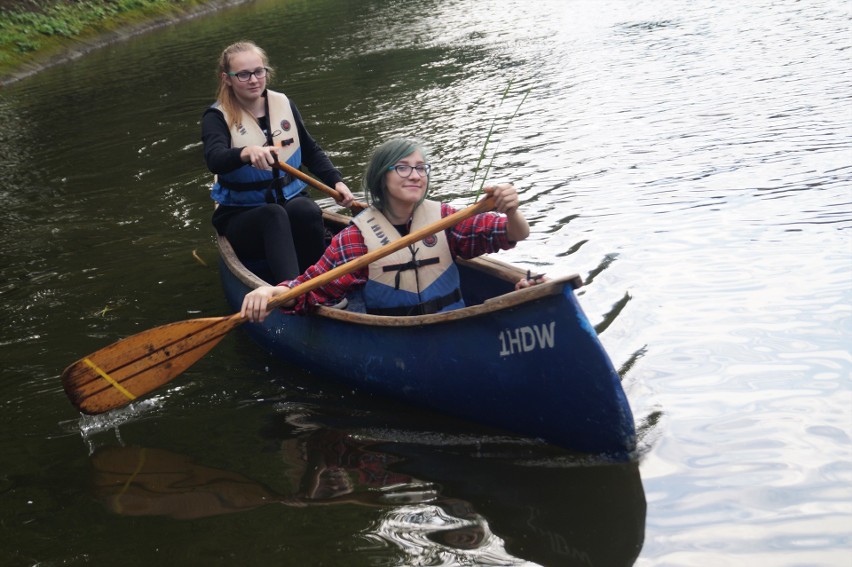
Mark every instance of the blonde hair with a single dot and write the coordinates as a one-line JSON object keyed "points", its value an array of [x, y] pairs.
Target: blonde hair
{"points": [[225, 95]]}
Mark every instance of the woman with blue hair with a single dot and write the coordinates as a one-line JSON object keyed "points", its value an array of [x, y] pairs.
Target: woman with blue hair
{"points": [[416, 280]]}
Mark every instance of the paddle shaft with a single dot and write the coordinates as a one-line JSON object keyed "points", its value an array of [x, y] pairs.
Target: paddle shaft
{"points": [[299, 174], [481, 206]]}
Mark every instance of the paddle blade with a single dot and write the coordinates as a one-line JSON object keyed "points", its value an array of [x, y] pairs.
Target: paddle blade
{"points": [[125, 370]]}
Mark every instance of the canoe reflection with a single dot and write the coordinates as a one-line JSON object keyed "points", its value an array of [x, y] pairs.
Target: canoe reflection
{"points": [[433, 503], [545, 510]]}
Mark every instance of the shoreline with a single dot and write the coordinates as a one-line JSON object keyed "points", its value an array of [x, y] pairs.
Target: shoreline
{"points": [[78, 47]]}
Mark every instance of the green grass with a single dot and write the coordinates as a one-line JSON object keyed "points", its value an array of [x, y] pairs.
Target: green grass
{"points": [[34, 32]]}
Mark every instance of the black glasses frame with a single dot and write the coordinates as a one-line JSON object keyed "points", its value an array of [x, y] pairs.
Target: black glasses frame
{"points": [[404, 170], [245, 76]]}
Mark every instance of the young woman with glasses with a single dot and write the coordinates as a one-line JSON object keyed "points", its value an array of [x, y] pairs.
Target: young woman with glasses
{"points": [[417, 280], [264, 213]]}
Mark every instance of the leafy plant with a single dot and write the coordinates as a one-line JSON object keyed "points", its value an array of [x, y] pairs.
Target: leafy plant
{"points": [[39, 29]]}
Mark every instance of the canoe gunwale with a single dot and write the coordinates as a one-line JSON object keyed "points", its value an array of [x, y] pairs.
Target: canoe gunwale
{"points": [[485, 264]]}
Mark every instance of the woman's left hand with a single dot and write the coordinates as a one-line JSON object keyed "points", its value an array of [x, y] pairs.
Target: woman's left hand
{"points": [[346, 196], [506, 201], [506, 198]]}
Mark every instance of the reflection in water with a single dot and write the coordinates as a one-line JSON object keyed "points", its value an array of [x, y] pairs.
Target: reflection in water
{"points": [[546, 509], [689, 159], [437, 508], [445, 533], [140, 481]]}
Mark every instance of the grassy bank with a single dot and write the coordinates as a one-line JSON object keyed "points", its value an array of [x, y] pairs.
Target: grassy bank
{"points": [[36, 33]]}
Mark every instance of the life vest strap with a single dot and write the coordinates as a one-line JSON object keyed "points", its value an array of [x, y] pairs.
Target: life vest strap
{"points": [[425, 308], [412, 265], [285, 179]]}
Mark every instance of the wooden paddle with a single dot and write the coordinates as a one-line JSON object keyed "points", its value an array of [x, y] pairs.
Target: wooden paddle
{"points": [[356, 206], [121, 372]]}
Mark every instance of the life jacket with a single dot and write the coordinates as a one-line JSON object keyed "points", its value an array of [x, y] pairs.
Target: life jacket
{"points": [[416, 280], [248, 186]]}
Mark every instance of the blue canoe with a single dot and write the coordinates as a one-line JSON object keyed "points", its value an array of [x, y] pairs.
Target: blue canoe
{"points": [[526, 362]]}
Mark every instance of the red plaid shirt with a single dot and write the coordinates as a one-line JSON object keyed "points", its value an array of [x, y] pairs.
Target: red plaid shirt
{"points": [[474, 236]]}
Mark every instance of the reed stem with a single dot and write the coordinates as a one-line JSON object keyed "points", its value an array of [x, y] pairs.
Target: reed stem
{"points": [[488, 139]]}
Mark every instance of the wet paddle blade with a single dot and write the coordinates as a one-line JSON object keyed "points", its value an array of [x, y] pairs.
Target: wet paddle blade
{"points": [[125, 370]]}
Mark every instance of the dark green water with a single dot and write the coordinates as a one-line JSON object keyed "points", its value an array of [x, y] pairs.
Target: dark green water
{"points": [[690, 161]]}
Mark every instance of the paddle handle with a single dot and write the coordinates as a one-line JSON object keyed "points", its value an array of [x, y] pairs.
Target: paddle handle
{"points": [[481, 206], [356, 206]]}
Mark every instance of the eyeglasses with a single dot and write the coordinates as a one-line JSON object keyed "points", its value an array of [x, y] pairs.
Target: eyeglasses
{"points": [[405, 170], [244, 76]]}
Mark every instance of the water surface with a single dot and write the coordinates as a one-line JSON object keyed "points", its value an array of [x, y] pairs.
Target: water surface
{"points": [[690, 160]]}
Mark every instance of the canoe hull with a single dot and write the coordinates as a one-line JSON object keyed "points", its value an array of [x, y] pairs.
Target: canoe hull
{"points": [[534, 367]]}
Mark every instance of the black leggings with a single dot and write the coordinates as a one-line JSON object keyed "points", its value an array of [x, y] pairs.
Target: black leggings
{"points": [[290, 238]]}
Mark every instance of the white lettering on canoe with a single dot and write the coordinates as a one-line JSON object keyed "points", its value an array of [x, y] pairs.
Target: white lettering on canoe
{"points": [[527, 339]]}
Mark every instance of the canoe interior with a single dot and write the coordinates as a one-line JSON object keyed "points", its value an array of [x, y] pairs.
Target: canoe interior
{"points": [[475, 290]]}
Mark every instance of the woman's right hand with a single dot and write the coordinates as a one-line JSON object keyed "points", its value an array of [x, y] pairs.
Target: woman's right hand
{"points": [[261, 157], [255, 302]]}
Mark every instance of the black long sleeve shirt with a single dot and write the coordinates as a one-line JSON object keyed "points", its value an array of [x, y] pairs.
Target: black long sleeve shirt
{"points": [[222, 158]]}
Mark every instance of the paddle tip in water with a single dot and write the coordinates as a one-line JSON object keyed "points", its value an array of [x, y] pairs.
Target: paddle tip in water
{"points": [[125, 370]]}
